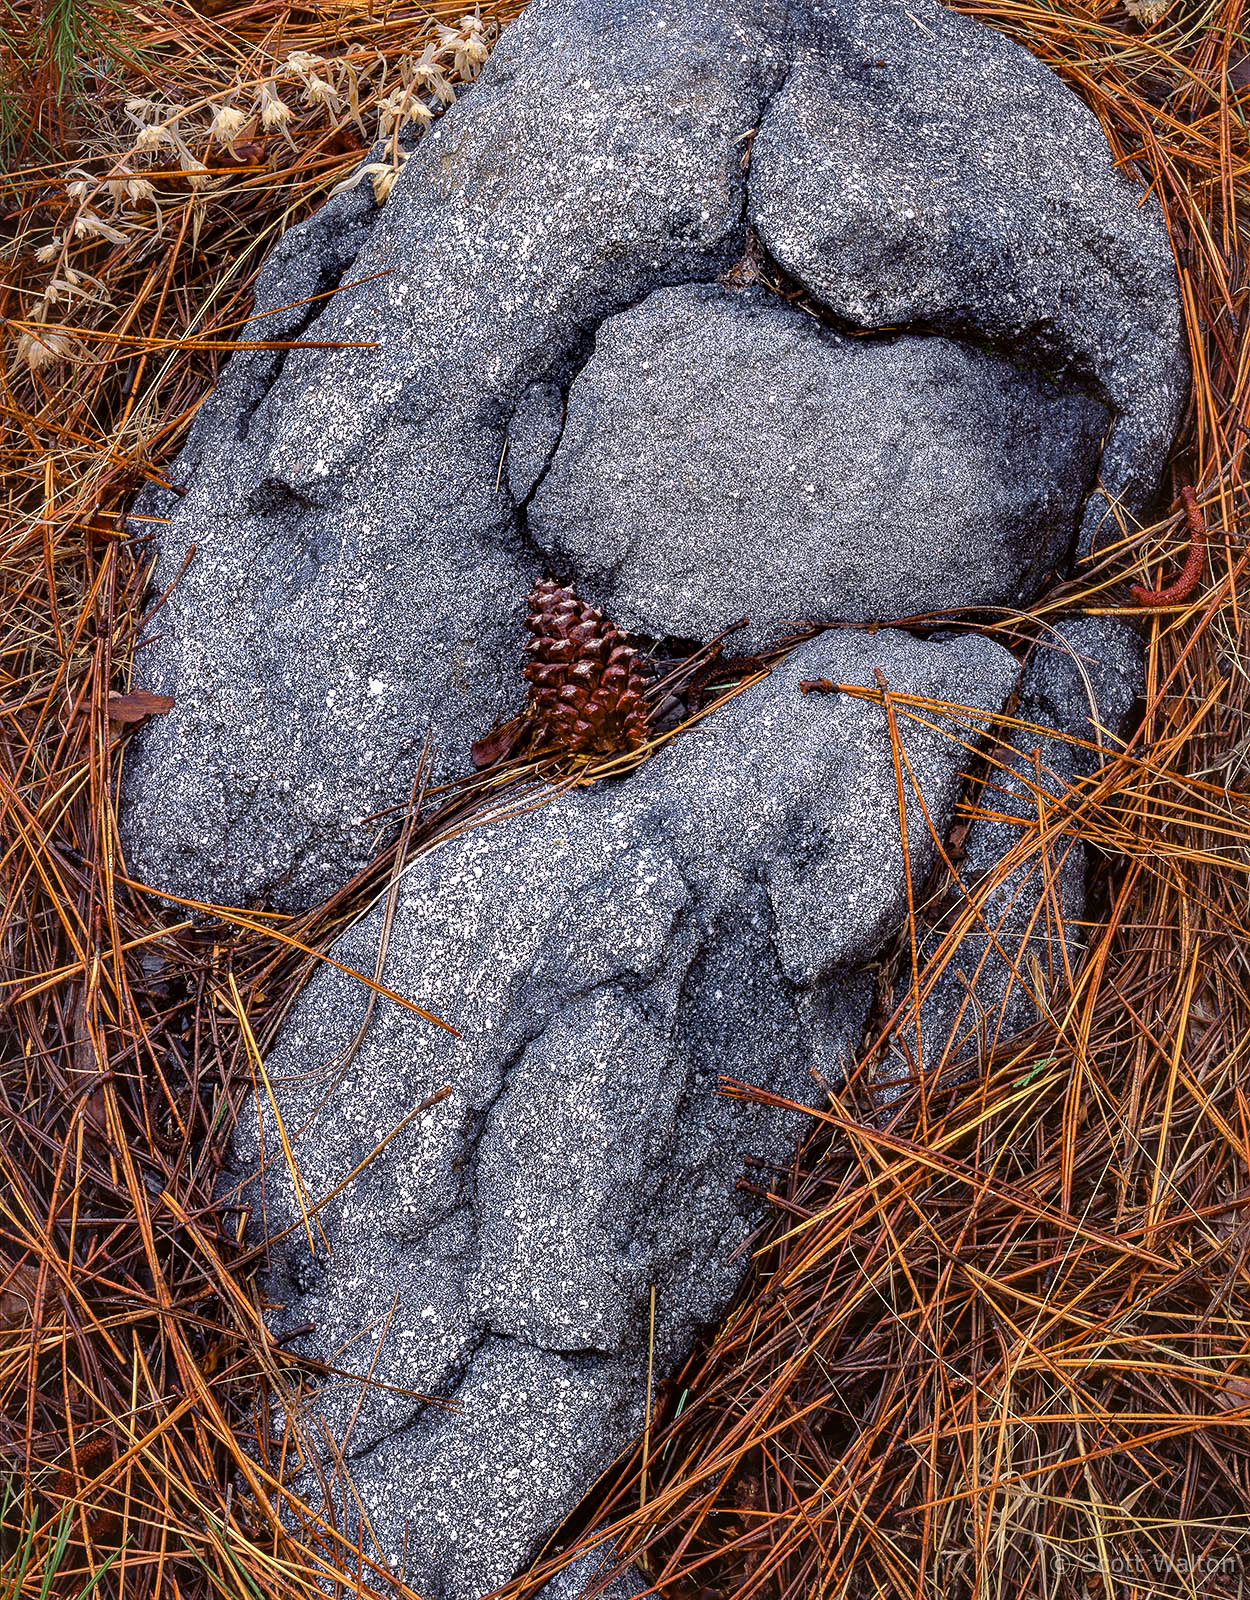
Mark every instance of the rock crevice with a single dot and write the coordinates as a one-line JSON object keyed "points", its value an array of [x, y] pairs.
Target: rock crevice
{"points": [[792, 458]]}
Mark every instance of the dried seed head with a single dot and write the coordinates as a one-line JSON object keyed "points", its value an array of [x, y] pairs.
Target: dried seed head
{"points": [[140, 192], [274, 111], [36, 350], [319, 92], [399, 107], [90, 224], [64, 287], [303, 63], [152, 136], [428, 72], [382, 180], [115, 185], [470, 48], [390, 114], [227, 124]]}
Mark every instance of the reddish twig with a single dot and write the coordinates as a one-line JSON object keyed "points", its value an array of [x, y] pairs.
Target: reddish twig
{"points": [[1191, 571]]}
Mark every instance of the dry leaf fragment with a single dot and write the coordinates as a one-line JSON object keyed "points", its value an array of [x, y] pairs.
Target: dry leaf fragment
{"points": [[1148, 12], [18, 1286], [136, 705], [1234, 1393], [501, 742]]}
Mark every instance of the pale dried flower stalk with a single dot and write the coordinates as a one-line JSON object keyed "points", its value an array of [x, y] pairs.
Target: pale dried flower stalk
{"points": [[335, 90], [227, 125]]}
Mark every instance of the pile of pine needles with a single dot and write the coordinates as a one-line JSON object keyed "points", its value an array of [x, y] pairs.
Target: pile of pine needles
{"points": [[999, 1346]]}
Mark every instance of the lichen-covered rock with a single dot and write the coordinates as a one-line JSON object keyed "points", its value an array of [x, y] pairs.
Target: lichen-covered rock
{"points": [[917, 169], [368, 516], [725, 456], [608, 959], [1018, 955], [358, 509]]}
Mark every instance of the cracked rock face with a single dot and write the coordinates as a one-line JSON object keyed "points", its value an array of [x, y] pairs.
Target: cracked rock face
{"points": [[914, 169], [608, 959], [361, 514], [360, 572]]}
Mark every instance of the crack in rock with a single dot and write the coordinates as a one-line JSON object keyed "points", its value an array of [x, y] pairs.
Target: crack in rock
{"points": [[1080, 684], [895, 194], [582, 170]]}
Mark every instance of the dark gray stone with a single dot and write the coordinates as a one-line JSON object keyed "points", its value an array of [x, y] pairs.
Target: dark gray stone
{"points": [[587, 1578], [918, 169], [361, 563], [608, 958], [360, 576], [726, 456], [1076, 696]]}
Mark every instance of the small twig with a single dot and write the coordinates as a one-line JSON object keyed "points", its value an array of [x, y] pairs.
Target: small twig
{"points": [[1191, 572]]}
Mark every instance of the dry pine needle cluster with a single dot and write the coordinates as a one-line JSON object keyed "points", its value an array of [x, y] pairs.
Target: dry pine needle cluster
{"points": [[998, 1348]]}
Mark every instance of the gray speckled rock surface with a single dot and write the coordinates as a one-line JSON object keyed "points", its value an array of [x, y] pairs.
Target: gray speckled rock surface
{"points": [[361, 556], [1080, 684], [724, 455], [587, 1579], [916, 168], [608, 958], [360, 576], [533, 434]]}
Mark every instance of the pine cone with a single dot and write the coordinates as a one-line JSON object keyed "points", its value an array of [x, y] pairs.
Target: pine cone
{"points": [[586, 680]]}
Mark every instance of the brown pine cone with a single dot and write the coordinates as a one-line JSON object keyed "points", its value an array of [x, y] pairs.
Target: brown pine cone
{"points": [[586, 680]]}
